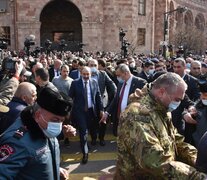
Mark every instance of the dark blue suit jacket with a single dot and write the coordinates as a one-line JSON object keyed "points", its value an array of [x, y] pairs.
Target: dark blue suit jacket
{"points": [[192, 90], [75, 74], [77, 94]]}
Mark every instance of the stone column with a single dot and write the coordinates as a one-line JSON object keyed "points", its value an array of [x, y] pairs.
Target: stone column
{"points": [[92, 35]]}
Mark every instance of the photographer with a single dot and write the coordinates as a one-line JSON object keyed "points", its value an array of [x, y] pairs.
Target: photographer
{"points": [[8, 89]]}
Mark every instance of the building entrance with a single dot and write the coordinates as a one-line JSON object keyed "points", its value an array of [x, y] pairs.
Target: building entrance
{"points": [[61, 24]]}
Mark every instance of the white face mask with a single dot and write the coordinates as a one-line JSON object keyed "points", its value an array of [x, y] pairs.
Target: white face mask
{"points": [[204, 101], [151, 71], [132, 65], [53, 129]]}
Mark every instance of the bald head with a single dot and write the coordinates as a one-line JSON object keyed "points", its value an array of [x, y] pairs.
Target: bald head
{"points": [[27, 92], [57, 64]]}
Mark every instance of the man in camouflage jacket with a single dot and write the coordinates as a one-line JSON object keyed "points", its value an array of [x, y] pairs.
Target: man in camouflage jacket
{"points": [[149, 146]]}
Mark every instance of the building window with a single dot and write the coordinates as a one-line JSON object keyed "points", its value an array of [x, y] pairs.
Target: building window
{"points": [[141, 36], [142, 7], [3, 6], [5, 34]]}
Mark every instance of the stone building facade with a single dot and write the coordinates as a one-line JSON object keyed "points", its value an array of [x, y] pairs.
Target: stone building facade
{"points": [[97, 23]]}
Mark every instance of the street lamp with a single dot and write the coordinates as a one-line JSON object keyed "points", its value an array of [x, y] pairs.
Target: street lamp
{"points": [[166, 16]]}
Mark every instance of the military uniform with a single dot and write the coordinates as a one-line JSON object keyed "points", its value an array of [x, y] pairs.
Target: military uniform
{"points": [[149, 146], [26, 153]]}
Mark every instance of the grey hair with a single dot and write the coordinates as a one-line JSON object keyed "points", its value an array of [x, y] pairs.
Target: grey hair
{"points": [[123, 68], [92, 60], [169, 81], [196, 62]]}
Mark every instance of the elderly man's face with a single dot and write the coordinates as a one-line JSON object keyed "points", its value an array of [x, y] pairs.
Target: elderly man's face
{"points": [[31, 97], [168, 97], [42, 117]]}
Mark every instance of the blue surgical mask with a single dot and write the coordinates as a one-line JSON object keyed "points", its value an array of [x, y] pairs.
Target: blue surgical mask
{"points": [[173, 105], [120, 80], [188, 65], [93, 70], [53, 129]]}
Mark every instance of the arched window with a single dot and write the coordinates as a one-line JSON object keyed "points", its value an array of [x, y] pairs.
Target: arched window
{"points": [[142, 7]]}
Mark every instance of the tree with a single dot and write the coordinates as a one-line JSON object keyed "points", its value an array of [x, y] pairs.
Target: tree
{"points": [[191, 38]]}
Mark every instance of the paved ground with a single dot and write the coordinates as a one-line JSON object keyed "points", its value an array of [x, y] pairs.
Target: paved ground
{"points": [[101, 164]]}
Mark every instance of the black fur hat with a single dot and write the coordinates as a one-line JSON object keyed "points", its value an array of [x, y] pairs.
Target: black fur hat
{"points": [[53, 102]]}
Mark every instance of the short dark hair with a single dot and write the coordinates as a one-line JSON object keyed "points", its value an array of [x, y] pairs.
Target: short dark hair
{"points": [[42, 73], [75, 61], [148, 63], [81, 63], [102, 62]]}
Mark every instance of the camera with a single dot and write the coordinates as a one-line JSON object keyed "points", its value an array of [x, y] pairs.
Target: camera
{"points": [[28, 43], [8, 65], [3, 44]]}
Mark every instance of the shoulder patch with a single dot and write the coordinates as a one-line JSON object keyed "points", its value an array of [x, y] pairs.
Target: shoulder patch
{"points": [[5, 151], [19, 133]]}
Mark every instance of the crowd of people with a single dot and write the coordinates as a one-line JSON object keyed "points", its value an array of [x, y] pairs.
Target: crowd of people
{"points": [[157, 107]]}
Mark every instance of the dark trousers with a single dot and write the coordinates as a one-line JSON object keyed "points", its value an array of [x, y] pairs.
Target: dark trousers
{"points": [[101, 131], [86, 125]]}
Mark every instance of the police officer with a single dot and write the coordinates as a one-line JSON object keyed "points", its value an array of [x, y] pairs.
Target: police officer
{"points": [[149, 146], [29, 148]]}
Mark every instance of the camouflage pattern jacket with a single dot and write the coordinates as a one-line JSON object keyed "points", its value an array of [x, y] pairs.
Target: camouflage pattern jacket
{"points": [[149, 146]]}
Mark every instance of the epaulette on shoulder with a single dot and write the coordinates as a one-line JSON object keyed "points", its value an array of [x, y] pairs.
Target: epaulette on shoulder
{"points": [[19, 133]]}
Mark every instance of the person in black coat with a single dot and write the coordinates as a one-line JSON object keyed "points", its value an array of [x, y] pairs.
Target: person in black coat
{"points": [[128, 83], [147, 72], [193, 94]]}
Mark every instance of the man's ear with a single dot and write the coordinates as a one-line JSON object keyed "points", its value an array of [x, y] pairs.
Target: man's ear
{"points": [[23, 97], [161, 91]]}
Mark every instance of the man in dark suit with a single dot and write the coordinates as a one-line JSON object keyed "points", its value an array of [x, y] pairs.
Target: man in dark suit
{"points": [[127, 85], [147, 71], [107, 89], [193, 93], [54, 71], [76, 73], [87, 107]]}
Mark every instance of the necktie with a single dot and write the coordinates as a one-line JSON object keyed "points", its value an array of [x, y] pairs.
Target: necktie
{"points": [[57, 73], [120, 100], [86, 96]]}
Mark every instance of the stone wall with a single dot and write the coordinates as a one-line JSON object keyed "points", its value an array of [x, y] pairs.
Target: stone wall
{"points": [[101, 21]]}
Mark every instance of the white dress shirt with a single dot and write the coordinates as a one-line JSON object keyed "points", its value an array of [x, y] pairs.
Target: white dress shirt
{"points": [[90, 104]]}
